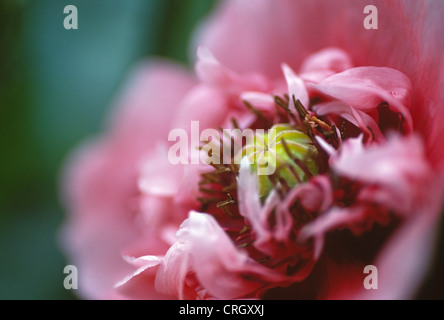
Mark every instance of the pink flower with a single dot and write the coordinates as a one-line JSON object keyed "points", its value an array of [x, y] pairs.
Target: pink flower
{"points": [[360, 168]]}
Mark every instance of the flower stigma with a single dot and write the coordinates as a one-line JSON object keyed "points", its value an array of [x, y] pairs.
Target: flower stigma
{"points": [[289, 155]]}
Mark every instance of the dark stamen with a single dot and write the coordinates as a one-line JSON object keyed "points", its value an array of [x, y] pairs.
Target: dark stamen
{"points": [[211, 176], [318, 123], [371, 131], [302, 112], [206, 190], [274, 179], [222, 170], [208, 200], [246, 244], [256, 112], [296, 160], [281, 103], [294, 173], [235, 123], [224, 203], [284, 184], [229, 188], [227, 211], [263, 260], [342, 131]]}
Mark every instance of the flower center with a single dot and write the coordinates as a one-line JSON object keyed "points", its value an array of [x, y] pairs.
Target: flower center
{"points": [[286, 151], [284, 155]]}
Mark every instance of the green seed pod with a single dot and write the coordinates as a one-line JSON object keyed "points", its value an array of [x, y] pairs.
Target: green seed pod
{"points": [[282, 157]]}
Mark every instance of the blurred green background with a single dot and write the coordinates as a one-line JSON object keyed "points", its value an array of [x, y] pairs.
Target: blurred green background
{"points": [[55, 88]]}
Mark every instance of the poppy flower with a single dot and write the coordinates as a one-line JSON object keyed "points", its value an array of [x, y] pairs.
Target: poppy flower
{"points": [[352, 119]]}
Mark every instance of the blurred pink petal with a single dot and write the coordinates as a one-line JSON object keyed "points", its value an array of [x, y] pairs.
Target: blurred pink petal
{"points": [[405, 260], [99, 182], [212, 72], [228, 273], [325, 63], [142, 288], [196, 107], [331, 59]]}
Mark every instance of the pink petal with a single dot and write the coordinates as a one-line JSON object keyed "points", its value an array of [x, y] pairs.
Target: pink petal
{"points": [[204, 104], [403, 263], [220, 267], [102, 199], [92, 240], [171, 276], [399, 166], [355, 116], [365, 88], [332, 59], [322, 64], [315, 195], [241, 43], [261, 101], [213, 73], [296, 87], [226, 264], [140, 284], [406, 41], [249, 203], [330, 220], [158, 176], [405, 259], [217, 99], [137, 118], [168, 191]]}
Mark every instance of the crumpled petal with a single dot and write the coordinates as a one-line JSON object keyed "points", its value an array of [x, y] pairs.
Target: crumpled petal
{"points": [[359, 118], [142, 263], [172, 273], [324, 63], [399, 166], [296, 87], [272, 238], [251, 208], [228, 273], [366, 88], [314, 195], [393, 175], [332, 59]]}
